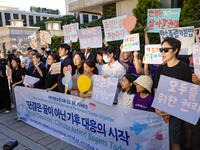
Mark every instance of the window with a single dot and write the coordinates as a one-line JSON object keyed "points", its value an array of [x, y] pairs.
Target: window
{"points": [[85, 18], [37, 18], [77, 17], [44, 18], [15, 16], [109, 11], [31, 20], [24, 18], [1, 24], [94, 17], [7, 17]]}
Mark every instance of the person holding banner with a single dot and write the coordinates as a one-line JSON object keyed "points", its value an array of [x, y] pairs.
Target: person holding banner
{"points": [[51, 80], [64, 50], [113, 69], [77, 70], [90, 69], [125, 97], [175, 69]]}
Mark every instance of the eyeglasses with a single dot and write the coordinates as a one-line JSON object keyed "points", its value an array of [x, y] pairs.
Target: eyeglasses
{"points": [[164, 49]]}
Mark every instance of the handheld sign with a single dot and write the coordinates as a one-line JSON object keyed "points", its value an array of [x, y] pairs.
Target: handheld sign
{"points": [[184, 34], [114, 29], [129, 23], [45, 36], [34, 44], [152, 54], [30, 80], [90, 37], [104, 89], [158, 19], [197, 34], [70, 32], [131, 42], [56, 68], [178, 98], [196, 58], [19, 44]]}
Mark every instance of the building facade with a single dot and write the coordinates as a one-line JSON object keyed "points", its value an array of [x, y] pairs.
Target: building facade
{"points": [[30, 18]]}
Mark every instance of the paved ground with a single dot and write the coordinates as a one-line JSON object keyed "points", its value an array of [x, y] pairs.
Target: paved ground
{"points": [[28, 136]]}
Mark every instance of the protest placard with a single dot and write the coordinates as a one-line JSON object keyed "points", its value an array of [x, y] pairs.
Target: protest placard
{"points": [[158, 19], [90, 124], [131, 42], [45, 36], [104, 89], [91, 37], [184, 34], [56, 68], [114, 29], [197, 34], [196, 58], [70, 32], [19, 44], [152, 54], [30, 80], [178, 98], [34, 44]]}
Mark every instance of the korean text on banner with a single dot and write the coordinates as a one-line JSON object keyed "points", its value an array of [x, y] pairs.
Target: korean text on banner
{"points": [[152, 54], [158, 19], [90, 37], [197, 34], [90, 124], [45, 36], [196, 58], [104, 89], [70, 32], [178, 98], [131, 42], [114, 29], [184, 34]]}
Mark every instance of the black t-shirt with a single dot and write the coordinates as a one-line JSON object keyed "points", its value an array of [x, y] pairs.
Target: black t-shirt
{"points": [[180, 71], [17, 75]]}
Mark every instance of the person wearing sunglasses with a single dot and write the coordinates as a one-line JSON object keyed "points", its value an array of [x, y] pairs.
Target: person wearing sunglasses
{"points": [[175, 69]]}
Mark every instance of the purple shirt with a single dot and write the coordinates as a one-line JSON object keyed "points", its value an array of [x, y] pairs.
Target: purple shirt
{"points": [[143, 103], [153, 70]]}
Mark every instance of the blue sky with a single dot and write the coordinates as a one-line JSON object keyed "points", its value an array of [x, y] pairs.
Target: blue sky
{"points": [[25, 4]]}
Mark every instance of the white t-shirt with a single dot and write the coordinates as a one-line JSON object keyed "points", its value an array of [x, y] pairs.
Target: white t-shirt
{"points": [[115, 70], [99, 67], [125, 99]]}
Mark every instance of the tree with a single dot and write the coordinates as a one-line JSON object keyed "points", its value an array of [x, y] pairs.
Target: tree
{"points": [[44, 10], [140, 12], [190, 10]]}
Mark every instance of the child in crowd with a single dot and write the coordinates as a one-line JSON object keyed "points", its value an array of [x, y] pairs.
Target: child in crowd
{"points": [[90, 69], [100, 63], [113, 68], [51, 80], [143, 99], [125, 97], [77, 70]]}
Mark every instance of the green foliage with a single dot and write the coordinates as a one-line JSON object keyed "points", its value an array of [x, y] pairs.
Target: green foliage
{"points": [[140, 12], [190, 10], [64, 19], [44, 10], [191, 23], [84, 25]]}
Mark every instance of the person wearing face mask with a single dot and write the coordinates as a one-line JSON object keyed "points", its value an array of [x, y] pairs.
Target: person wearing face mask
{"points": [[113, 68]]}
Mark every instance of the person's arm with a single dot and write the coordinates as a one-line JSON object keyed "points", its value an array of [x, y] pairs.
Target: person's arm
{"points": [[130, 57], [105, 43], [86, 51], [146, 36], [20, 82], [82, 95], [53, 87], [38, 69], [146, 69], [195, 79], [70, 43], [137, 65], [121, 58]]}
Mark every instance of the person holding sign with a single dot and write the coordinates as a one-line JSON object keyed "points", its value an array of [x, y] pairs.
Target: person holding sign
{"points": [[77, 70], [113, 69], [90, 69], [125, 97], [51, 80], [175, 69]]}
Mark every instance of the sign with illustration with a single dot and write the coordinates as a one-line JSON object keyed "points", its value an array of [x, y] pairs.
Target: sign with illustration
{"points": [[90, 124], [131, 42]]}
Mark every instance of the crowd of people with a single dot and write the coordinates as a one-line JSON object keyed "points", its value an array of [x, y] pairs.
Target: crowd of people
{"points": [[136, 83]]}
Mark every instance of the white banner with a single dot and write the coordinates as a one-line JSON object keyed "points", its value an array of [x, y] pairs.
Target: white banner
{"points": [[90, 124]]}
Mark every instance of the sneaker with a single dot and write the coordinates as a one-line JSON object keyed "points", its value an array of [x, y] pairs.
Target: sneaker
{"points": [[16, 117], [12, 106], [1, 110], [7, 111]]}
